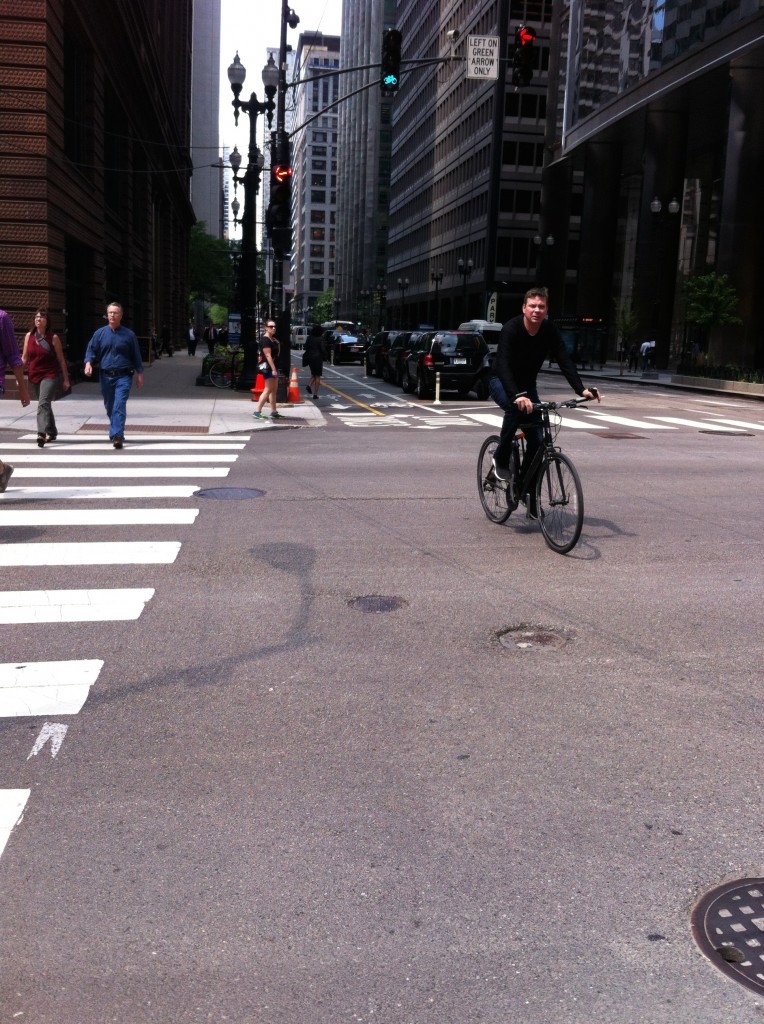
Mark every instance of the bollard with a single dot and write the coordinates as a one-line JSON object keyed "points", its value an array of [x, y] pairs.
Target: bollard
{"points": [[437, 389]]}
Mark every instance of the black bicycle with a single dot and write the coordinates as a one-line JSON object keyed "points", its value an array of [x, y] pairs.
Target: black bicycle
{"points": [[557, 501]]}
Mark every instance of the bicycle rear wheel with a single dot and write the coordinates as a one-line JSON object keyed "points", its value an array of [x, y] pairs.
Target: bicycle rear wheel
{"points": [[220, 373], [493, 493], [559, 502]]}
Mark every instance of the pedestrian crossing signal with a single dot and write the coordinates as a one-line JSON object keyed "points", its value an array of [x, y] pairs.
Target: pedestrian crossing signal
{"points": [[391, 60]]}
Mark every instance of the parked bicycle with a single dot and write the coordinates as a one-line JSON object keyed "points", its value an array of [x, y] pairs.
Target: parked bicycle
{"points": [[557, 499], [225, 369]]}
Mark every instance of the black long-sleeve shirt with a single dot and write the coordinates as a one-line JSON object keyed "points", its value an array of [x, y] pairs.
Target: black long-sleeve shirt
{"points": [[520, 356]]}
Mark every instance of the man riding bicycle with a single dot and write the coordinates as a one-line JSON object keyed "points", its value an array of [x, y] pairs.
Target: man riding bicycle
{"points": [[524, 343]]}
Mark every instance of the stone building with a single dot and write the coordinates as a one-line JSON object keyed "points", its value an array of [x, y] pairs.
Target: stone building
{"points": [[94, 164]]}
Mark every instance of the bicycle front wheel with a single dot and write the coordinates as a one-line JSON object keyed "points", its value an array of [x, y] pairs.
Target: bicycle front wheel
{"points": [[220, 374], [559, 503], [493, 493]]}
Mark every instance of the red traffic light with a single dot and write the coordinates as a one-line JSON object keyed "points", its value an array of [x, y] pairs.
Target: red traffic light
{"points": [[281, 173], [526, 36]]}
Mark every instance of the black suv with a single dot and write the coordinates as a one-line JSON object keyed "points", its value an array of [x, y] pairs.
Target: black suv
{"points": [[376, 353], [460, 357], [346, 348]]}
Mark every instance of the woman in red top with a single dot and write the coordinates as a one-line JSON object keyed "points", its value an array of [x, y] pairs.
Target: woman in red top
{"points": [[43, 356]]}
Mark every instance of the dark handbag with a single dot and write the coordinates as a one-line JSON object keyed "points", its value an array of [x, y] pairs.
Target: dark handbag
{"points": [[305, 360]]}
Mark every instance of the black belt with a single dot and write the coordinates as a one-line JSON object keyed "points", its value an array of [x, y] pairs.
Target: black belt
{"points": [[117, 373]]}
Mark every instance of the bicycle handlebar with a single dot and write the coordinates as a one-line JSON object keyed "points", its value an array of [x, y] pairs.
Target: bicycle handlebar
{"points": [[570, 404]]}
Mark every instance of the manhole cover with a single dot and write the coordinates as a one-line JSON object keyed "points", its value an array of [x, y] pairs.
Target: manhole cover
{"points": [[229, 493], [727, 433], [527, 637], [614, 435], [377, 603], [728, 926]]}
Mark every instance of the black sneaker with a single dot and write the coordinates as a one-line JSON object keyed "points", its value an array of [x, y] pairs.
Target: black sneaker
{"points": [[502, 473], [118, 442], [307, 388], [5, 476]]}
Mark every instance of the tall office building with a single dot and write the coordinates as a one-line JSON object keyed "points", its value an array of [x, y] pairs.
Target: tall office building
{"points": [[314, 163], [363, 170], [207, 180], [658, 138]]}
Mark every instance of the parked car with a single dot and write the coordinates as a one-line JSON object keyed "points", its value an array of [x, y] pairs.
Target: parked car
{"points": [[392, 369], [376, 353], [460, 357], [490, 332], [346, 348]]}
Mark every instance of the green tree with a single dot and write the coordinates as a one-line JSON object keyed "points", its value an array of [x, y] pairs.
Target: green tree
{"points": [[210, 269], [324, 307], [711, 302]]}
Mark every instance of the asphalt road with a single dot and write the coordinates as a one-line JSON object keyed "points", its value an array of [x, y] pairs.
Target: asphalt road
{"points": [[277, 807]]}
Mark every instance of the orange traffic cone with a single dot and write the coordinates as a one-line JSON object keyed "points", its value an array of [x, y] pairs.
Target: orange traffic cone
{"points": [[259, 387], [293, 395]]}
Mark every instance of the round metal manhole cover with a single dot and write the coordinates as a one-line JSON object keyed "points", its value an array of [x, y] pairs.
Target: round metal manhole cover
{"points": [[728, 926], [616, 435], [527, 637], [377, 603], [229, 493]]}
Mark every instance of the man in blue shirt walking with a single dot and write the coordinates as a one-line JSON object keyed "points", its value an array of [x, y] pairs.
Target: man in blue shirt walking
{"points": [[120, 357]]}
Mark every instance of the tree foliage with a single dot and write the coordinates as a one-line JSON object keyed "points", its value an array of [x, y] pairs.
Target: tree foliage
{"points": [[323, 309], [711, 301], [210, 269]]}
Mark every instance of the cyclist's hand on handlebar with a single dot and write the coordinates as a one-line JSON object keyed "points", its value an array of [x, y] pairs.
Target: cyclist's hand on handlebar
{"points": [[592, 393], [524, 404]]}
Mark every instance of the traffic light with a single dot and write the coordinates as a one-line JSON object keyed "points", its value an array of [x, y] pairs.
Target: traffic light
{"points": [[278, 218], [391, 60], [524, 57]]}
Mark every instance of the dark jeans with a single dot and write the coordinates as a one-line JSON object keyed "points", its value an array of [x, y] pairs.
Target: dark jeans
{"points": [[512, 420]]}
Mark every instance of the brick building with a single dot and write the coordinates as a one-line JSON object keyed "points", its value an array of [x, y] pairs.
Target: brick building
{"points": [[94, 163]]}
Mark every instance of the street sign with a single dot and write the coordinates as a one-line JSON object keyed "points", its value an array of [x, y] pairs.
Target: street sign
{"points": [[491, 311], [483, 57]]}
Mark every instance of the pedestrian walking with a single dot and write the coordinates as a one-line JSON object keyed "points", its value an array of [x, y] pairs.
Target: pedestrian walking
{"points": [[165, 340], [269, 353], [210, 336], [633, 358], [43, 356], [313, 357], [116, 348], [10, 357], [191, 340]]}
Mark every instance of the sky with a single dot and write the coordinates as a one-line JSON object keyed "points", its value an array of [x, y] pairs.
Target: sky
{"points": [[251, 27]]}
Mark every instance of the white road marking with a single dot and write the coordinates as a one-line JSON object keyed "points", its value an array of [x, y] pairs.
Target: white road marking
{"points": [[741, 423], [52, 732], [99, 493], [90, 446], [129, 552], [119, 471], [699, 424], [92, 438], [46, 687], [100, 517], [22, 458], [12, 804], [32, 606], [625, 422]]}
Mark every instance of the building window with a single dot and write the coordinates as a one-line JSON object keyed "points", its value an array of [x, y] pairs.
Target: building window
{"points": [[317, 197], [316, 284]]}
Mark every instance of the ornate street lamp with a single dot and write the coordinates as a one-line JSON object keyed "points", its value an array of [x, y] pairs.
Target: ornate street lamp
{"points": [[436, 276], [403, 283], [251, 182], [381, 293], [465, 269]]}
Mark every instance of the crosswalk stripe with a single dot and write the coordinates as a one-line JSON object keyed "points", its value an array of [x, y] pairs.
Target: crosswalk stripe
{"points": [[698, 424], [100, 517], [23, 459], [46, 687], [624, 421], [69, 449], [135, 439], [12, 804], [34, 606], [98, 493], [119, 471], [129, 552], [741, 423]]}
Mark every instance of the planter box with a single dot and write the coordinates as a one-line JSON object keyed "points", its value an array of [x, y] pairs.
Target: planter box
{"points": [[740, 387]]}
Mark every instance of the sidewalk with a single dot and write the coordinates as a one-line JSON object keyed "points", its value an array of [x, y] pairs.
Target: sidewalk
{"points": [[169, 401], [655, 378]]}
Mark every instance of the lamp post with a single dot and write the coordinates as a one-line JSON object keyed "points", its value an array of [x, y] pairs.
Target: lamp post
{"points": [[381, 293], [251, 181], [465, 269], [403, 283], [543, 245], [436, 276], [665, 228]]}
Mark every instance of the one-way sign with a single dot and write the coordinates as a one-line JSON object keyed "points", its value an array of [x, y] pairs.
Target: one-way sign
{"points": [[483, 57]]}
